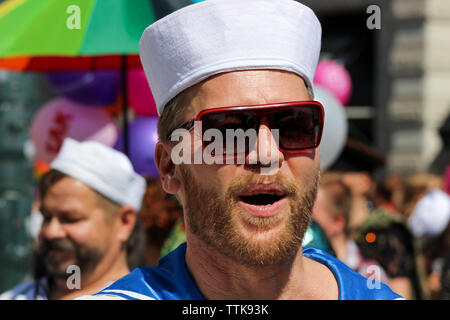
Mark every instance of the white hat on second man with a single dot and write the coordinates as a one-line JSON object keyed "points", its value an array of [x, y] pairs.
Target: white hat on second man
{"points": [[102, 168], [216, 36]]}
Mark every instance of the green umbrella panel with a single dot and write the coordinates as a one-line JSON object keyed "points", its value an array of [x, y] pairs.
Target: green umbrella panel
{"points": [[72, 28]]}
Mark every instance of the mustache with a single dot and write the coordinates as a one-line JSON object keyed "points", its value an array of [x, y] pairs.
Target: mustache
{"points": [[57, 244], [239, 184]]}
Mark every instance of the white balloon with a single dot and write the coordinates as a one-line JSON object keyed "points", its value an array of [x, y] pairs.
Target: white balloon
{"points": [[335, 127]]}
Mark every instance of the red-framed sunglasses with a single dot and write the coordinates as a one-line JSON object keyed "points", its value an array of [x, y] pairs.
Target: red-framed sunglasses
{"points": [[300, 123]]}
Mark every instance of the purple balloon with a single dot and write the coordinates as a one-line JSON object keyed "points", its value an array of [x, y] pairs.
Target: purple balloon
{"points": [[97, 88], [143, 136]]}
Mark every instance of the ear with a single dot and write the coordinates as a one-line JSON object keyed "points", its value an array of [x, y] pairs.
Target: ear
{"points": [[127, 219], [170, 182]]}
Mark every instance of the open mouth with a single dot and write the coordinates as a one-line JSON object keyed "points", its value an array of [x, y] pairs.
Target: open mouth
{"points": [[261, 199]]}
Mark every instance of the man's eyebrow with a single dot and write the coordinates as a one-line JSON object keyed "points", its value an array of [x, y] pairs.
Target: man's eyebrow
{"points": [[56, 212]]}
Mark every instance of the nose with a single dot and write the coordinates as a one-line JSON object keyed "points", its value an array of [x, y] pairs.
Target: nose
{"points": [[267, 153], [53, 229]]}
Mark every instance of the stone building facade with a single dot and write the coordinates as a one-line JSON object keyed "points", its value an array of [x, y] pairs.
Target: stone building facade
{"points": [[420, 75], [410, 85]]}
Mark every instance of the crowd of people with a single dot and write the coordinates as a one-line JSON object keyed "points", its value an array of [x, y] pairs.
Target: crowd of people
{"points": [[395, 231], [228, 231], [386, 230]]}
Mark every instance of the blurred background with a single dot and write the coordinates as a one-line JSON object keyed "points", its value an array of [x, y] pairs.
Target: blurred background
{"points": [[389, 57]]}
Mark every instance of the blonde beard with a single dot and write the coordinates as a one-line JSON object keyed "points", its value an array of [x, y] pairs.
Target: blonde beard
{"points": [[213, 219]]}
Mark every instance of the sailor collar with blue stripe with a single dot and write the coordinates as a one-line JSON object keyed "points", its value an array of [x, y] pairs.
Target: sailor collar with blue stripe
{"points": [[171, 280]]}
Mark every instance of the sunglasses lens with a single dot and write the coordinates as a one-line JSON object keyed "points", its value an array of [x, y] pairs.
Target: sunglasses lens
{"points": [[231, 127], [299, 127], [235, 131]]}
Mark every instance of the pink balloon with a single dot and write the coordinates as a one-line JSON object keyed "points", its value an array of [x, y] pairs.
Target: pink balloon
{"points": [[140, 97], [61, 118], [333, 76]]}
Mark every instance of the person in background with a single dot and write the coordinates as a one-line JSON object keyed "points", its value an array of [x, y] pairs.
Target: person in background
{"points": [[381, 233], [393, 184], [383, 197], [88, 201], [415, 186], [331, 211], [160, 211], [436, 254], [427, 207]]}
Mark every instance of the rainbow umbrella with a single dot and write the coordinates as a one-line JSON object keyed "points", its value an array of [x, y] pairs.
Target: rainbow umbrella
{"points": [[67, 35], [39, 35]]}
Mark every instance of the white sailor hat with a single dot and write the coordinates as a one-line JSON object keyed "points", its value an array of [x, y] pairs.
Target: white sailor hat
{"points": [[102, 168], [216, 36]]}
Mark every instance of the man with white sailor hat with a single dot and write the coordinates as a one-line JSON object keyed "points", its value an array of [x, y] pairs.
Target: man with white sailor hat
{"points": [[89, 202], [226, 67]]}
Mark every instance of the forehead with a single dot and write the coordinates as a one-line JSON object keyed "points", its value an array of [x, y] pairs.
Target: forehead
{"points": [[247, 88], [68, 194]]}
